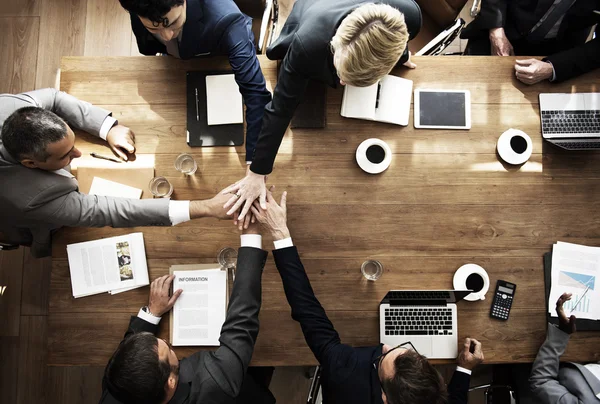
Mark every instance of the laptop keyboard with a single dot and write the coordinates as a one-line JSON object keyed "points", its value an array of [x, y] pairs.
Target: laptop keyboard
{"points": [[571, 121], [418, 295], [418, 321]]}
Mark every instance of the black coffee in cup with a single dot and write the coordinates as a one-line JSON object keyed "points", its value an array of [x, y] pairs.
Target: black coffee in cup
{"points": [[475, 282], [375, 154], [518, 144]]}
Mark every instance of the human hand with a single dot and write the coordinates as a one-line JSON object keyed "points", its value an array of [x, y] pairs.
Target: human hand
{"points": [[409, 62], [500, 45], [246, 191], [274, 217], [121, 140], [253, 227], [471, 354], [531, 71], [565, 324], [159, 302]]}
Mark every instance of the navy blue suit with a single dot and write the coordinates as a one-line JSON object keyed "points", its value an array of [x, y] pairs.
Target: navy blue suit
{"points": [[218, 27], [348, 374]]}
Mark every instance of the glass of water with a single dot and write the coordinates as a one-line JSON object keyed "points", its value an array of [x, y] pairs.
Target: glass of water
{"points": [[372, 270], [161, 187], [227, 257], [185, 163]]}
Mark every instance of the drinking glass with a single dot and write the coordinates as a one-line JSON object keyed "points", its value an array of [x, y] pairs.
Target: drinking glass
{"points": [[372, 270], [227, 257], [161, 187], [185, 163]]}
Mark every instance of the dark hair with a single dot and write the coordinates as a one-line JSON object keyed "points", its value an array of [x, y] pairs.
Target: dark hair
{"points": [[415, 381], [135, 374], [154, 10], [28, 131]]}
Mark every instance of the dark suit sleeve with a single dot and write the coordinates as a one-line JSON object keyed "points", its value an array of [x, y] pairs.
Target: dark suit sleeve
{"points": [[290, 88], [458, 389], [147, 44], [323, 340], [137, 324], [576, 61], [227, 365], [492, 14], [238, 43]]}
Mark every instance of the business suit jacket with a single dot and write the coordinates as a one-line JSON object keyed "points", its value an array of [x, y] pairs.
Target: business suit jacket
{"points": [[304, 46], [219, 377], [348, 374], [569, 383], [570, 55], [34, 202], [218, 27]]}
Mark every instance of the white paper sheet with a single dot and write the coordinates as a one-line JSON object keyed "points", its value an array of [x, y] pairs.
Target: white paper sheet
{"points": [[109, 264], [574, 269], [223, 100], [199, 313], [103, 187]]}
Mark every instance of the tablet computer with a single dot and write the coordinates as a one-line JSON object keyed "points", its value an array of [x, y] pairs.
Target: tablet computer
{"points": [[442, 109]]}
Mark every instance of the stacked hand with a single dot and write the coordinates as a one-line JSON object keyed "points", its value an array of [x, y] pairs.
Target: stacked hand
{"points": [[160, 302], [245, 192], [121, 140], [471, 354], [274, 217], [531, 71], [566, 324]]}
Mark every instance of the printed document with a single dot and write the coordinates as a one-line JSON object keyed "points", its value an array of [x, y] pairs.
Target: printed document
{"points": [[103, 187], [199, 313], [108, 265], [223, 100], [575, 269]]}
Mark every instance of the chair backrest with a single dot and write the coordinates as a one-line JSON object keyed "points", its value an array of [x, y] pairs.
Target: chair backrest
{"points": [[264, 16], [442, 12], [5, 245]]}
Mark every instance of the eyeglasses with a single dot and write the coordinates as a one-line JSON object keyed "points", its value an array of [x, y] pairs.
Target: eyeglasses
{"points": [[377, 361]]}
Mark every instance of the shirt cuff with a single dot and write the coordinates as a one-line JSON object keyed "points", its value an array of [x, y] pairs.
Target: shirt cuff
{"points": [[248, 162], [251, 240], [460, 369], [107, 125], [179, 212], [284, 243], [148, 317]]}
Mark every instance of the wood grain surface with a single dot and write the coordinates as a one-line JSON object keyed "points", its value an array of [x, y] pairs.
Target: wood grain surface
{"points": [[445, 201]]}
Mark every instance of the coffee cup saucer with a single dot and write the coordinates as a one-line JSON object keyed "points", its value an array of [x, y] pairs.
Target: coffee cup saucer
{"points": [[460, 281]]}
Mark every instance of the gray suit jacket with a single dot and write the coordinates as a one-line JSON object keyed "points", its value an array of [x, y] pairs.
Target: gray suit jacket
{"points": [[569, 383], [34, 202]]}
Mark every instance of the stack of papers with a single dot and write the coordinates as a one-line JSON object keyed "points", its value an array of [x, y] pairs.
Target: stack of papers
{"points": [[112, 265], [574, 270], [103, 187], [199, 313]]}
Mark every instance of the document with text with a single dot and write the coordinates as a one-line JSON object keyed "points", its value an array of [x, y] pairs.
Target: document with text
{"points": [[108, 265], [199, 313]]}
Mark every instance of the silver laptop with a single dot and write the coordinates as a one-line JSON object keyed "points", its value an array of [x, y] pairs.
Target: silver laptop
{"points": [[571, 121], [426, 318]]}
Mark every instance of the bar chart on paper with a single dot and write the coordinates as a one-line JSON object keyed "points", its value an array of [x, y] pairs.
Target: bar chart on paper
{"points": [[582, 307]]}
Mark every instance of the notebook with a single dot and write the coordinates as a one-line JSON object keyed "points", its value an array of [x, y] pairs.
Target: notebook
{"points": [[387, 101], [223, 100]]}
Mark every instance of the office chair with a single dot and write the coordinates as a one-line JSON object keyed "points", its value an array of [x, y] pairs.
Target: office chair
{"points": [[265, 16], [497, 394], [6, 245], [315, 395]]}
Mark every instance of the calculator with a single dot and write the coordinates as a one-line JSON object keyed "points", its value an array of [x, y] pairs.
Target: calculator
{"points": [[503, 298]]}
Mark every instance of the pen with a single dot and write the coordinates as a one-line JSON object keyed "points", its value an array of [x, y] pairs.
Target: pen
{"points": [[197, 111], [99, 156], [580, 299]]}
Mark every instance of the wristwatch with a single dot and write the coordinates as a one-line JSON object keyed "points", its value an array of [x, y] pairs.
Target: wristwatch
{"points": [[146, 310]]}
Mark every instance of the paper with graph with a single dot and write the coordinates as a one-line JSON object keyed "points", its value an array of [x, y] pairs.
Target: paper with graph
{"points": [[574, 270]]}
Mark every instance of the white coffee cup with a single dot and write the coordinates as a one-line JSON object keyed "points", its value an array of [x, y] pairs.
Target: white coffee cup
{"points": [[469, 275], [374, 156], [514, 146]]}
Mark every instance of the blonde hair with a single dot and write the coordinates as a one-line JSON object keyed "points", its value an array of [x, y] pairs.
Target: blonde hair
{"points": [[368, 43]]}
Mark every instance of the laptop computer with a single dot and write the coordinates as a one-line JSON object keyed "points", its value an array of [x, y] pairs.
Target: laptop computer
{"points": [[426, 318], [571, 121]]}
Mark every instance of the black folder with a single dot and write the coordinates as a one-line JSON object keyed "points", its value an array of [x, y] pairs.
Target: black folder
{"points": [[582, 324], [199, 133]]}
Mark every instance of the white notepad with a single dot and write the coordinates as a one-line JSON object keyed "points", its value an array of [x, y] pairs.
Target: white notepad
{"points": [[387, 101], [199, 313], [103, 187], [223, 100]]}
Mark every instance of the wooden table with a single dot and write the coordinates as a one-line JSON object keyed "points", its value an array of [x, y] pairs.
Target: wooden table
{"points": [[444, 201]]}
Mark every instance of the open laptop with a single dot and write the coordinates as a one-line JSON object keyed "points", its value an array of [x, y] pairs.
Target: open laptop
{"points": [[426, 318], [571, 121]]}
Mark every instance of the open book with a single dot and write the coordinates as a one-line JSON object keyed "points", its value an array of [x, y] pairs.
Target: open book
{"points": [[387, 101], [113, 265], [199, 313]]}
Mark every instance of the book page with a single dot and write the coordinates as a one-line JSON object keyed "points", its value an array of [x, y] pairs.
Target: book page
{"points": [[223, 100], [103, 187], [575, 269], [359, 102], [199, 313], [394, 100], [108, 264]]}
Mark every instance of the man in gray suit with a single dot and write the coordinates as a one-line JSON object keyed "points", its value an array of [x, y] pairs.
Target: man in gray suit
{"points": [[145, 369], [39, 194], [569, 383]]}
